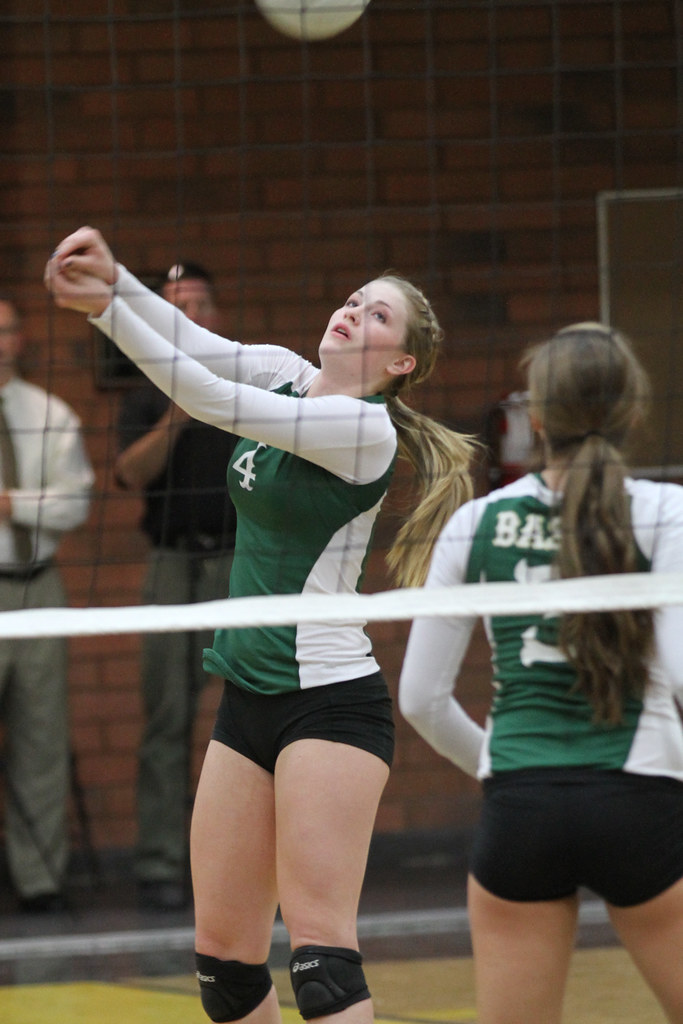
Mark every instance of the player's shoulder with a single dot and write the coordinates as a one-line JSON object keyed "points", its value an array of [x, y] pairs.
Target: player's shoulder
{"points": [[528, 487], [650, 497]]}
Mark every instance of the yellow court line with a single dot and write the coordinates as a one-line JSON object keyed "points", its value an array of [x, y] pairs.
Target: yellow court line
{"points": [[468, 1015], [96, 1003], [89, 1002]]}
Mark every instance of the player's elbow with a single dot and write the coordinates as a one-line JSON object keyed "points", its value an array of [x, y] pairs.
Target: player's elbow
{"points": [[412, 702], [126, 477]]}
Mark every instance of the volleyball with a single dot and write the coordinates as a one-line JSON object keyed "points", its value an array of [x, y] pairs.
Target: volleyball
{"points": [[311, 19]]}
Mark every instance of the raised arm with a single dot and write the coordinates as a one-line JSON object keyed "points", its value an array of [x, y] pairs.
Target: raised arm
{"points": [[349, 437], [223, 357], [83, 275]]}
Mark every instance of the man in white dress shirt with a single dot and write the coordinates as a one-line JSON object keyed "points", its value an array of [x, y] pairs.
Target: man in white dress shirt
{"points": [[45, 484]]}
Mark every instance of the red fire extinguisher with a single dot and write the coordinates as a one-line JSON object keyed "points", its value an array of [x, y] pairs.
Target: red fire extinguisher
{"points": [[510, 439]]}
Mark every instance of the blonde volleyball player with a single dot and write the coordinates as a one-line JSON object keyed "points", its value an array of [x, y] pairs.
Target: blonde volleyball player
{"points": [[582, 756], [304, 736]]}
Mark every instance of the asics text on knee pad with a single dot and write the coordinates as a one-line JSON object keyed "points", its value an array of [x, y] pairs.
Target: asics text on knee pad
{"points": [[326, 979], [230, 989]]}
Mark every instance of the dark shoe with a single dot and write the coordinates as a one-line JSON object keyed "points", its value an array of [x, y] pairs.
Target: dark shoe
{"points": [[162, 895], [43, 903]]}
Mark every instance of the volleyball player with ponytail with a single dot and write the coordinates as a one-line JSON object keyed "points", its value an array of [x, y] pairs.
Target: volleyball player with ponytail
{"points": [[582, 755], [304, 735]]}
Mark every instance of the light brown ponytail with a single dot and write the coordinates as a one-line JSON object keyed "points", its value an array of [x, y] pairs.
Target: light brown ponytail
{"points": [[588, 390]]}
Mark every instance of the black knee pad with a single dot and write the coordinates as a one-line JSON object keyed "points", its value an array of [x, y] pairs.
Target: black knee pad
{"points": [[326, 979], [230, 989]]}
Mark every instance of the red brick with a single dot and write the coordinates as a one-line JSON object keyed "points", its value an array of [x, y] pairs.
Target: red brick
{"points": [[500, 142]]}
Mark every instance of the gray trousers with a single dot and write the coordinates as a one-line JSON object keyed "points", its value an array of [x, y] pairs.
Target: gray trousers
{"points": [[34, 708], [172, 680]]}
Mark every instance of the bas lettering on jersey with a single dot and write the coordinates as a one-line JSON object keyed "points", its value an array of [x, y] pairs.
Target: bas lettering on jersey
{"points": [[531, 532]]}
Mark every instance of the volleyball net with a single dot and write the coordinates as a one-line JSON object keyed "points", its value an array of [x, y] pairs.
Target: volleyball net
{"points": [[519, 159], [586, 594]]}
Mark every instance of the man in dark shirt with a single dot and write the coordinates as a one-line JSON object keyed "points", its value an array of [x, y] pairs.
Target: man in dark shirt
{"points": [[181, 467]]}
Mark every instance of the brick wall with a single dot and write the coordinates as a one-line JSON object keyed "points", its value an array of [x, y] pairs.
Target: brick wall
{"points": [[462, 144]]}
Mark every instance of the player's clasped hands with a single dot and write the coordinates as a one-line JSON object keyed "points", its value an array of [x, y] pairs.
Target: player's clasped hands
{"points": [[81, 272]]}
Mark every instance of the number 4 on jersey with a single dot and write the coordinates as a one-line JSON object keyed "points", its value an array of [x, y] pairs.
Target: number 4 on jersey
{"points": [[245, 467]]}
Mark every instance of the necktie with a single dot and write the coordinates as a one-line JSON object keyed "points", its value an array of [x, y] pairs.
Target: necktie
{"points": [[8, 462]]}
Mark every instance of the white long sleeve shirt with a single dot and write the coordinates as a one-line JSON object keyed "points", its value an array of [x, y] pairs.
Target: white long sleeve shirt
{"points": [[54, 473]]}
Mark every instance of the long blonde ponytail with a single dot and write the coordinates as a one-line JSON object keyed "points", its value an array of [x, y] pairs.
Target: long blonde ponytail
{"points": [[441, 460], [440, 456]]}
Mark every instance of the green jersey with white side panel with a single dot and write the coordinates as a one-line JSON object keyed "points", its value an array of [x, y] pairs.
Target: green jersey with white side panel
{"points": [[536, 712], [537, 717], [301, 530], [307, 481]]}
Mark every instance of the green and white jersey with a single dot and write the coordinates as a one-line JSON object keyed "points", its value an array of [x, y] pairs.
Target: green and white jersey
{"points": [[307, 481], [536, 719], [301, 530]]}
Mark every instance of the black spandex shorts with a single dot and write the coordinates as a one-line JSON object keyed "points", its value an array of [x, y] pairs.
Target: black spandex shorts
{"points": [[544, 833], [259, 726]]}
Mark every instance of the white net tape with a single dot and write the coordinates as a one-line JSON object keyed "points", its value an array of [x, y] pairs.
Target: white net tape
{"points": [[594, 593]]}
